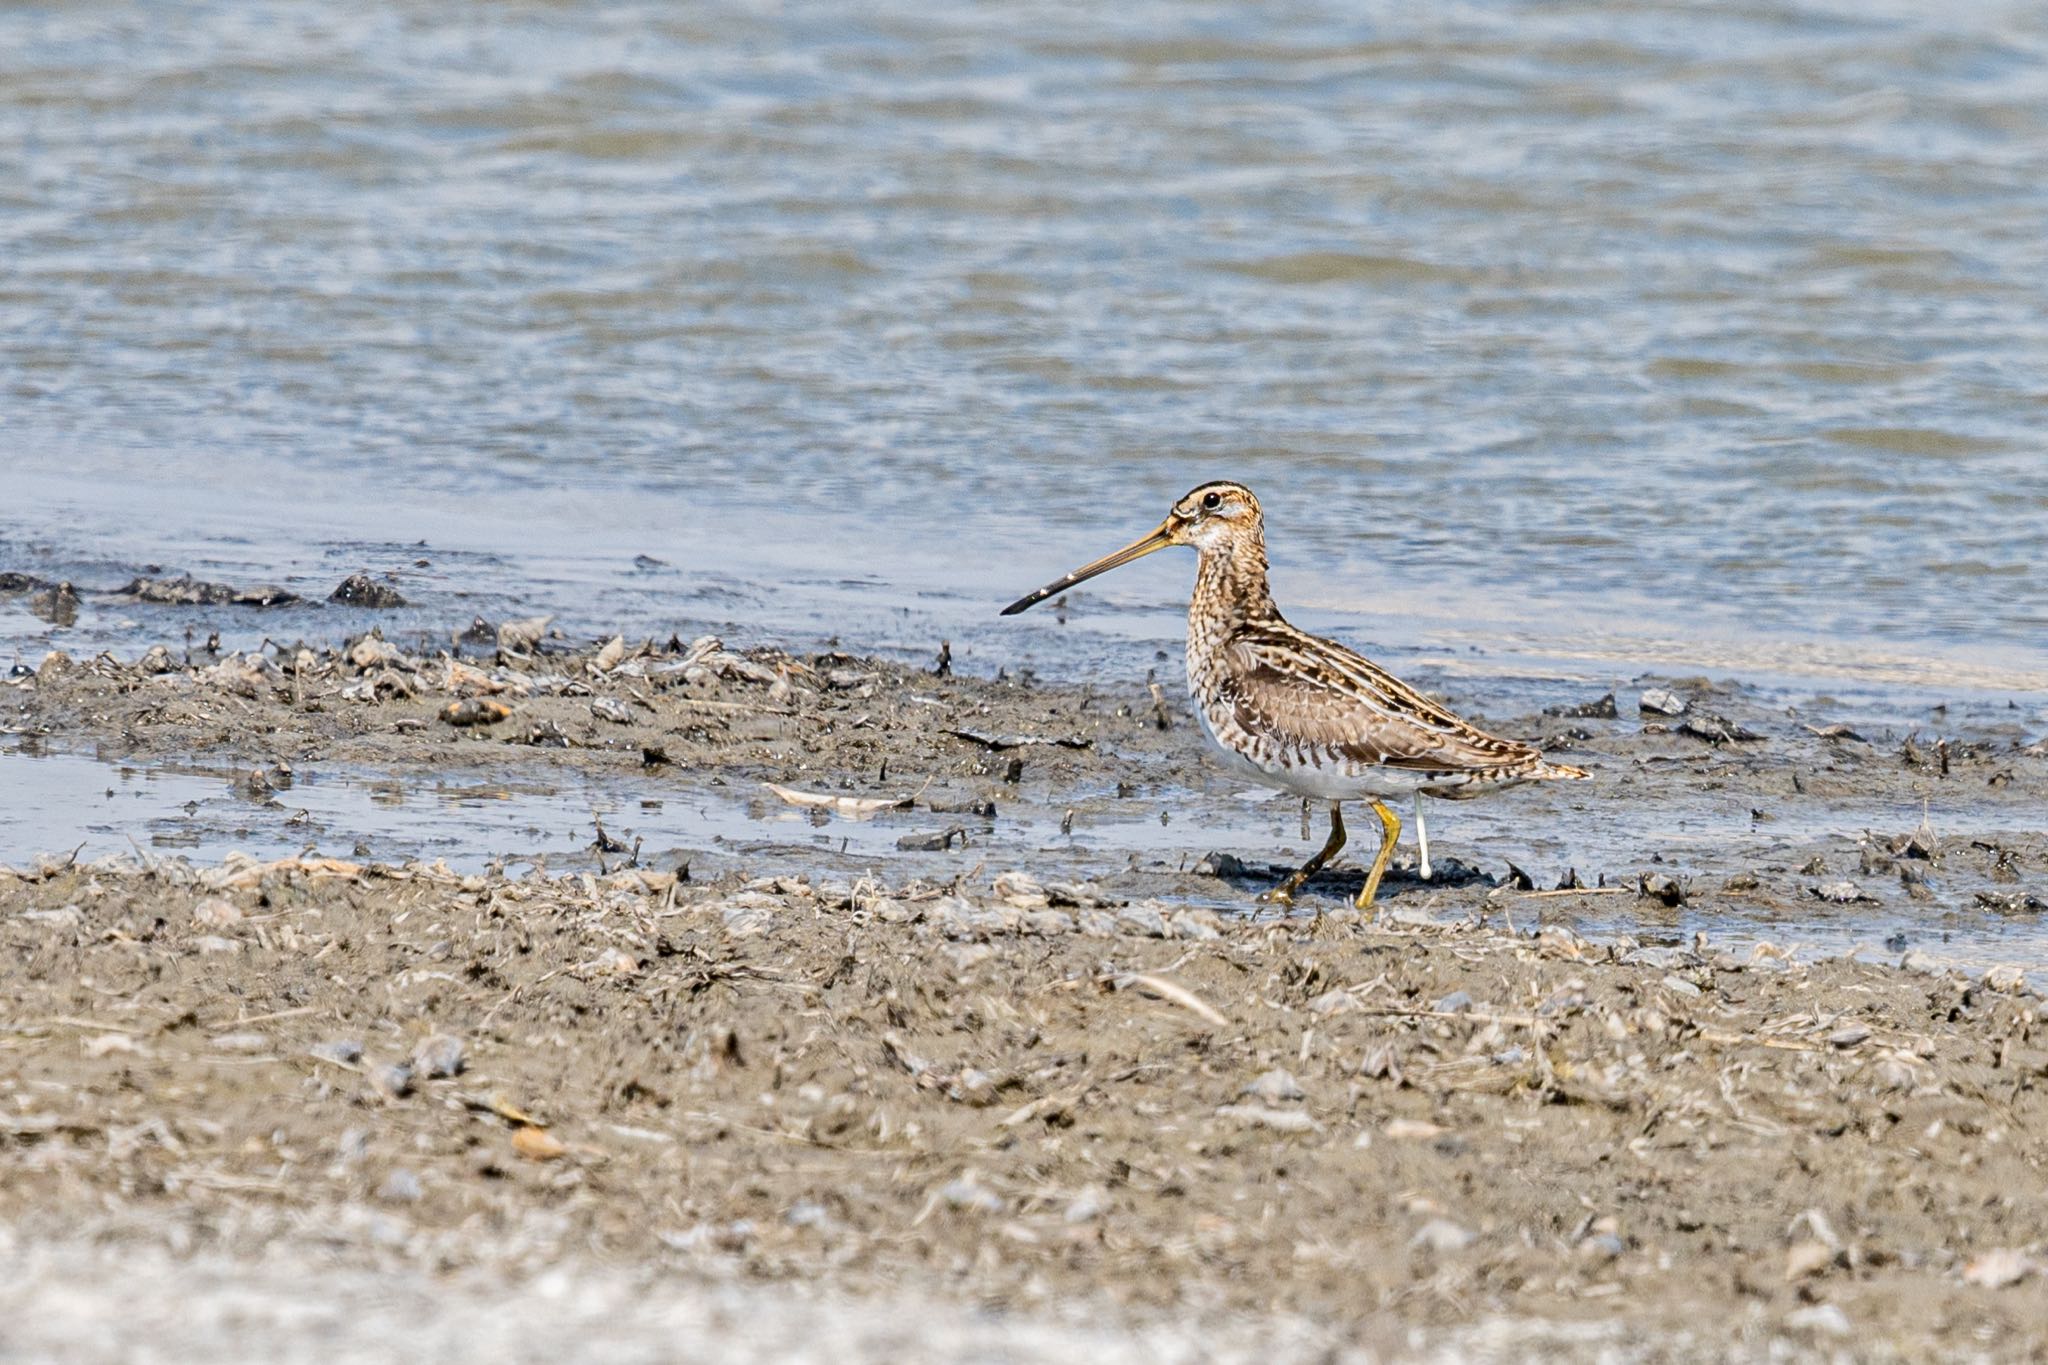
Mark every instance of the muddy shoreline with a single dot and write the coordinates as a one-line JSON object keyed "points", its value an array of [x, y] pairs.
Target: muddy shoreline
{"points": [[1022, 1062], [1728, 809]]}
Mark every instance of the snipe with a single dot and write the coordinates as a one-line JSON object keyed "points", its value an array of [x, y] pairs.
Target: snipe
{"points": [[1301, 713]]}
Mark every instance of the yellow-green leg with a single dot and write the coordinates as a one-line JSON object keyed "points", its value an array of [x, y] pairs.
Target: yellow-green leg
{"points": [[1283, 894], [1390, 830]]}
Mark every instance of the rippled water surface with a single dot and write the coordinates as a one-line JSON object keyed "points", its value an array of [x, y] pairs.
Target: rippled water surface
{"points": [[1609, 334]]}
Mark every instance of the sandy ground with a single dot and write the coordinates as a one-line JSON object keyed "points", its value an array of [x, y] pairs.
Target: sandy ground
{"points": [[1008, 1112]]}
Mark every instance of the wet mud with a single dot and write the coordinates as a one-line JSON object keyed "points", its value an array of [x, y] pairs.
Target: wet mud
{"points": [[1718, 807], [955, 1028]]}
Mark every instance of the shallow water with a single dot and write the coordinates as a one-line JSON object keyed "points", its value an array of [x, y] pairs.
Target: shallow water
{"points": [[1600, 337], [73, 804]]}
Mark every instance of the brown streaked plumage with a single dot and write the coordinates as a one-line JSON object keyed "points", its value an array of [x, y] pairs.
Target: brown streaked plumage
{"points": [[1301, 713]]}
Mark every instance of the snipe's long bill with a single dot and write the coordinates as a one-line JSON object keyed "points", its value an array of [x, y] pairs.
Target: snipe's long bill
{"points": [[1301, 713]]}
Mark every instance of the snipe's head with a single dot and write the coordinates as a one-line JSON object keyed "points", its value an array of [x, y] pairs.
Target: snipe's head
{"points": [[1214, 518]]}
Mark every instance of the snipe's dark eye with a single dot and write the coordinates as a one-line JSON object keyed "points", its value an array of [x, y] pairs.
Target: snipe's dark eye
{"points": [[1211, 501]]}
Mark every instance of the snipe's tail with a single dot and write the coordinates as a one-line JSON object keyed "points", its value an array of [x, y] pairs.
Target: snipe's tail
{"points": [[1557, 772]]}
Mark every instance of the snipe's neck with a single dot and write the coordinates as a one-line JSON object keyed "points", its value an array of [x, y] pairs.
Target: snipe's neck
{"points": [[1230, 581]]}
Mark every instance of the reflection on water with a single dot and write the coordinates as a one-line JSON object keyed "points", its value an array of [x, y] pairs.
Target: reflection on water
{"points": [[1614, 322]]}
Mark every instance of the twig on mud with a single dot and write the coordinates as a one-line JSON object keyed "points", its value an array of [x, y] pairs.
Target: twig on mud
{"points": [[1476, 1016], [1177, 993], [72, 1021], [783, 1135], [69, 862], [268, 1018], [1722, 1038], [1065, 1096], [515, 992], [1718, 1037], [749, 708]]}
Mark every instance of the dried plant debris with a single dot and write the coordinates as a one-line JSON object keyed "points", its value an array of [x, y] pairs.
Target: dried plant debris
{"points": [[1019, 741], [852, 807], [1601, 708]]}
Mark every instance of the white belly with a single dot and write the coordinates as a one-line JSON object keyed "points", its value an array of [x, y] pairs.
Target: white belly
{"points": [[1324, 781]]}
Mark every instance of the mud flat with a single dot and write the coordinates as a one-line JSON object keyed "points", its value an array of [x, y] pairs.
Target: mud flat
{"points": [[1030, 1096], [1719, 807]]}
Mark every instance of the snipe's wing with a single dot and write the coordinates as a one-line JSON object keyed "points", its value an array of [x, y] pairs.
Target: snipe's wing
{"points": [[1296, 689]]}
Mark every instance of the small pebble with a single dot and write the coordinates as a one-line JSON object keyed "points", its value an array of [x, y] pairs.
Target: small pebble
{"points": [[1916, 961], [1999, 1268], [937, 841], [400, 1187], [475, 711], [1259, 1116], [1895, 1073], [1662, 888], [215, 913], [1275, 1087], [1442, 1236], [1413, 1130], [1807, 1258], [1821, 1319], [361, 590], [808, 1213], [1604, 1246], [969, 1193], [2008, 979], [1086, 1206], [438, 1057], [537, 1144], [1022, 890], [1659, 702], [974, 1086], [617, 961], [392, 1080], [1137, 919]]}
